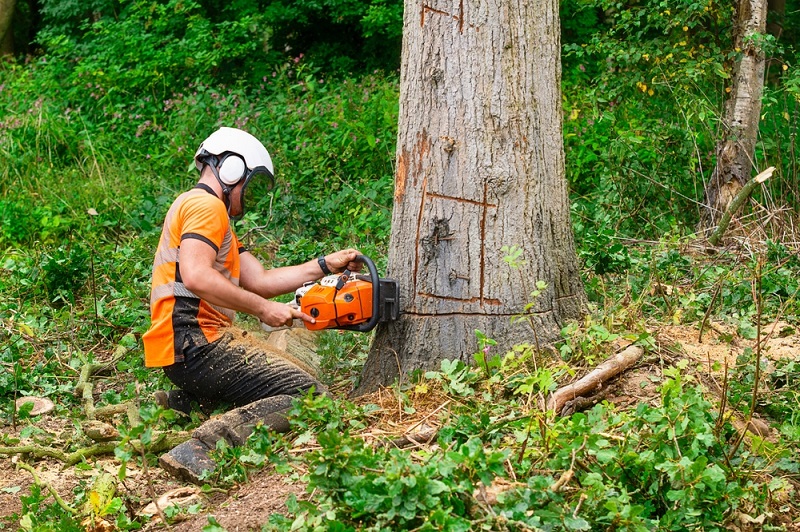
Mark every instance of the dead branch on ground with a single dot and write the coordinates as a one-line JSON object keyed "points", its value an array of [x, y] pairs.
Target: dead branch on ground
{"points": [[593, 381]]}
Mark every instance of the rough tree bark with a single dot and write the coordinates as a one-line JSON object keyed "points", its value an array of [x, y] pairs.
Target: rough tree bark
{"points": [[6, 31], [736, 146], [480, 166]]}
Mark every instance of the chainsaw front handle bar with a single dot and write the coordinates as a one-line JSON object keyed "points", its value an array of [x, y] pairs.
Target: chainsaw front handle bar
{"points": [[376, 295]]}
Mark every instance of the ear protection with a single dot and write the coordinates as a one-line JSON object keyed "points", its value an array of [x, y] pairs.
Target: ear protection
{"points": [[232, 169]]}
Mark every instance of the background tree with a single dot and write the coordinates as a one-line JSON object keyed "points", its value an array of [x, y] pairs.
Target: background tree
{"points": [[6, 33], [736, 146], [481, 212]]}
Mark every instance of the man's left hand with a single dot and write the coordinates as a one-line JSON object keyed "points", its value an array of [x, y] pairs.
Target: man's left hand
{"points": [[343, 260]]}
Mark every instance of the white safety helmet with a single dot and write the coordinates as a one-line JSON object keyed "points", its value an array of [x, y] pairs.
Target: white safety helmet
{"points": [[234, 156]]}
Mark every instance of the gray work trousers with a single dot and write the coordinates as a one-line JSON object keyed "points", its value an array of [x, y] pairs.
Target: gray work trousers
{"points": [[259, 385]]}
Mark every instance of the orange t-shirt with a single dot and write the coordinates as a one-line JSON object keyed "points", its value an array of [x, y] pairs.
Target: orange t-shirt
{"points": [[177, 315]]}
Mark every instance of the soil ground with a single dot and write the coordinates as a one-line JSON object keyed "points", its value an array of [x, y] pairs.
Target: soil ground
{"points": [[249, 505]]}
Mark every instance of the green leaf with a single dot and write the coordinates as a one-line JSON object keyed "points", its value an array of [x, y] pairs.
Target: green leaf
{"points": [[747, 330], [605, 456], [576, 523], [714, 474], [676, 495], [213, 525]]}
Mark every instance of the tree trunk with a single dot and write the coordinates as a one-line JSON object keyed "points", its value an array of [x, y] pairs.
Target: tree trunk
{"points": [[480, 166], [740, 123], [6, 29]]}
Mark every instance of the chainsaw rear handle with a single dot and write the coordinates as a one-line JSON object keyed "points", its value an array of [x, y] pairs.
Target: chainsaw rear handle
{"points": [[376, 297]]}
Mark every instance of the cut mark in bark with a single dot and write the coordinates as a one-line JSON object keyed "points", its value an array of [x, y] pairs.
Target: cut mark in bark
{"points": [[430, 9], [493, 314], [483, 301], [419, 153], [419, 226], [401, 174], [483, 239], [462, 200]]}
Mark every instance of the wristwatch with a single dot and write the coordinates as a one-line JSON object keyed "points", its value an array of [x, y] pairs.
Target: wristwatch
{"points": [[323, 266]]}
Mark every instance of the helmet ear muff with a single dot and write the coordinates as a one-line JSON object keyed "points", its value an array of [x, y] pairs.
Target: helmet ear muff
{"points": [[231, 169]]}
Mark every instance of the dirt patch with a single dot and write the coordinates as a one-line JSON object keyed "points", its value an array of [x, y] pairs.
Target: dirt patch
{"points": [[244, 508], [709, 352]]}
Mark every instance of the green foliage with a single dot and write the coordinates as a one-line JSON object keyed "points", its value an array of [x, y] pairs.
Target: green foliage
{"points": [[600, 250], [234, 464], [456, 377], [143, 56], [778, 399], [40, 515], [213, 525], [67, 17], [65, 272], [159, 43], [660, 467], [343, 355], [663, 466], [644, 87], [386, 489]]}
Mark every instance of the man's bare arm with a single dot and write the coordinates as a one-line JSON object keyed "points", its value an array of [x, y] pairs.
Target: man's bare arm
{"points": [[277, 281], [200, 277]]}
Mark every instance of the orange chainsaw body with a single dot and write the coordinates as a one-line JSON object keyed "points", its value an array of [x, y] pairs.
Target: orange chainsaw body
{"points": [[334, 307]]}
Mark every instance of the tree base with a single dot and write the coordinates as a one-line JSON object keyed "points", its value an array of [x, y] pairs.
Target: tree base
{"points": [[455, 338]]}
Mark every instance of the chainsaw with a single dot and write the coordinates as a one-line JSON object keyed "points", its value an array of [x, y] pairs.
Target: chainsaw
{"points": [[350, 301]]}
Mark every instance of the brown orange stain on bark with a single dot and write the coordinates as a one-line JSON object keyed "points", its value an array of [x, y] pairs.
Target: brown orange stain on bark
{"points": [[411, 162], [421, 149], [400, 177]]}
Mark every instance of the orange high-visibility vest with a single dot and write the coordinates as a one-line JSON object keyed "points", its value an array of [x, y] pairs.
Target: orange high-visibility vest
{"points": [[175, 312]]}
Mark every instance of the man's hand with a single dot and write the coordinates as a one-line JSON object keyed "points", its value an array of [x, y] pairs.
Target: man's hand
{"points": [[343, 260], [282, 315]]}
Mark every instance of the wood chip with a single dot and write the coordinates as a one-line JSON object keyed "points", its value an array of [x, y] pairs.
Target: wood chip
{"points": [[40, 405], [182, 497]]}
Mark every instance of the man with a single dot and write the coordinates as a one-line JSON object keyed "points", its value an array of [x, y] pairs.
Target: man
{"points": [[201, 277]]}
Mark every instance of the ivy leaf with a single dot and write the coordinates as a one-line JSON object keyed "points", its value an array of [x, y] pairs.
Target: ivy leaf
{"points": [[576, 523], [747, 330], [714, 474]]}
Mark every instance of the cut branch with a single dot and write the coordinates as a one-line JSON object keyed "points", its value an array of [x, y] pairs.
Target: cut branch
{"points": [[163, 442], [595, 379], [84, 388], [422, 436], [64, 506], [736, 203]]}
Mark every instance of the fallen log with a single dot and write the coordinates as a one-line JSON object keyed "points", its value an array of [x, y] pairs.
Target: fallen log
{"points": [[423, 435], [594, 379]]}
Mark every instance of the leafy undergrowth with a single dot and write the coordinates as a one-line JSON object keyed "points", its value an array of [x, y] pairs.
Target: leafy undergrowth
{"points": [[472, 448], [669, 461], [700, 434]]}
